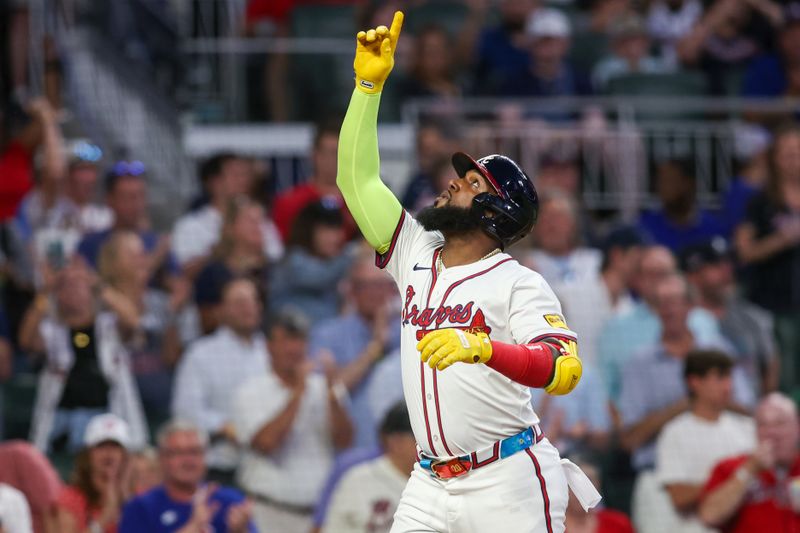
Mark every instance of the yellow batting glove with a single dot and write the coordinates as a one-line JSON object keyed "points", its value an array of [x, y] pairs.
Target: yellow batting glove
{"points": [[568, 370], [443, 347], [375, 55]]}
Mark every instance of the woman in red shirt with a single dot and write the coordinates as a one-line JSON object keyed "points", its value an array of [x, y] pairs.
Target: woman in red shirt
{"points": [[93, 502]]}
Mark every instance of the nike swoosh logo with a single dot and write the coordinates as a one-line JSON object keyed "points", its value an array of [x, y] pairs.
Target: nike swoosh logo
{"points": [[417, 267]]}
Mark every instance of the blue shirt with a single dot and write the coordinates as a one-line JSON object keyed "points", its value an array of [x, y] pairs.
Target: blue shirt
{"points": [[626, 334], [665, 232], [155, 512], [498, 59], [346, 337], [764, 77], [90, 245]]}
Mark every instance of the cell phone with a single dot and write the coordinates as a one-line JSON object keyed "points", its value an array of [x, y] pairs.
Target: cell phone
{"points": [[55, 255]]}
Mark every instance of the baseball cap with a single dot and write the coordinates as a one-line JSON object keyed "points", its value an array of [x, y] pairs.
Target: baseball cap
{"points": [[547, 23], [696, 256], [106, 427]]}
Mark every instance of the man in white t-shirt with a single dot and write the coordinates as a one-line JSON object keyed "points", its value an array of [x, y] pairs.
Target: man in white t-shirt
{"points": [[15, 515], [365, 499], [290, 422], [692, 443]]}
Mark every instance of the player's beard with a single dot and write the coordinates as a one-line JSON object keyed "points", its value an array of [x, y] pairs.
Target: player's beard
{"points": [[450, 220]]}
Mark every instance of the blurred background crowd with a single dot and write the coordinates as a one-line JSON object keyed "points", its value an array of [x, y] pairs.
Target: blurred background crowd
{"points": [[194, 334]]}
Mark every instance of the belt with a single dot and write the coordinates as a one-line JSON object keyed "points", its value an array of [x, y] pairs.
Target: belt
{"points": [[463, 464], [288, 507]]}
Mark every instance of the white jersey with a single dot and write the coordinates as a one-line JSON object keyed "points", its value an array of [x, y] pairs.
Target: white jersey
{"points": [[465, 408]]}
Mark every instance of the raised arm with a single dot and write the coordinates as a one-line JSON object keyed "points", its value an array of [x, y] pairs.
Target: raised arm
{"points": [[374, 207]]}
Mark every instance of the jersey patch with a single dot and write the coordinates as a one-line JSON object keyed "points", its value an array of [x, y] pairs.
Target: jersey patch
{"points": [[557, 321]]}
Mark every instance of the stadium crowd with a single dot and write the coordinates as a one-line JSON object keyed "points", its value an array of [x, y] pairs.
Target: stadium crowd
{"points": [[240, 369]]}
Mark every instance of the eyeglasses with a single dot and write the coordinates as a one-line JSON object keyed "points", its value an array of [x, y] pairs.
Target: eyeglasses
{"points": [[128, 168]]}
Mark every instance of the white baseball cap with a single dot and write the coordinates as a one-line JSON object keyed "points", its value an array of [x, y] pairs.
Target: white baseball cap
{"points": [[107, 427], [547, 23]]}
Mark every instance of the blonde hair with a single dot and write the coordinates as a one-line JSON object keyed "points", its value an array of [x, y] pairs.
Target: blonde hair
{"points": [[109, 254]]}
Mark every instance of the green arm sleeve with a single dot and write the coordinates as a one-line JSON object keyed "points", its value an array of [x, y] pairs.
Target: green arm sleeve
{"points": [[372, 204]]}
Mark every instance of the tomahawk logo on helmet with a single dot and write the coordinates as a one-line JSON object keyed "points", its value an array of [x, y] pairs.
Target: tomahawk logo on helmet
{"points": [[511, 214]]}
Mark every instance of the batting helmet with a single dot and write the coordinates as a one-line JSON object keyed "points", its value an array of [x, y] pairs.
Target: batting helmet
{"points": [[511, 214]]}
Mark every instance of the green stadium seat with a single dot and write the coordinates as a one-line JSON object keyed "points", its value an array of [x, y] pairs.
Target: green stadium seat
{"points": [[19, 394], [449, 15], [330, 21], [686, 83]]}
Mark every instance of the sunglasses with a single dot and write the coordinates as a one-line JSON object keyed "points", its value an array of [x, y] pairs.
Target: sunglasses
{"points": [[128, 168]]}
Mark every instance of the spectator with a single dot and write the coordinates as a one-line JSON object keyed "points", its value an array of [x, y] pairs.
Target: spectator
{"points": [[87, 367], [598, 519], [15, 515], [727, 37], [94, 500], [225, 177], [239, 253], [290, 422], [500, 52], [558, 256], [308, 277], [126, 195], [678, 222], [185, 503], [66, 208], [580, 423], [693, 442], [669, 21], [434, 143], [630, 52], [748, 328], [550, 73], [371, 322], [37, 126], [757, 491], [433, 69], [214, 367], [653, 391], [320, 186], [768, 242], [769, 75], [142, 473], [751, 147], [344, 462], [154, 342], [590, 303], [24, 467], [627, 333], [366, 498]]}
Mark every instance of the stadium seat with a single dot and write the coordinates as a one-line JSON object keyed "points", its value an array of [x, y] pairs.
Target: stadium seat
{"points": [[686, 83], [19, 394]]}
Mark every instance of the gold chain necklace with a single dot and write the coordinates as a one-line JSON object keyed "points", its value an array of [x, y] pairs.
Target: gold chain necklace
{"points": [[440, 265]]}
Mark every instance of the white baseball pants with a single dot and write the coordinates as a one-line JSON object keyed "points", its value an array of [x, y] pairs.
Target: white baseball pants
{"points": [[524, 493]]}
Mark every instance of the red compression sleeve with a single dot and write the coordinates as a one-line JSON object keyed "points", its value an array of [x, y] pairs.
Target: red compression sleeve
{"points": [[531, 365]]}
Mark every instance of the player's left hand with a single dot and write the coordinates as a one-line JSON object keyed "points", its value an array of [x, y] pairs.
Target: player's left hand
{"points": [[443, 347]]}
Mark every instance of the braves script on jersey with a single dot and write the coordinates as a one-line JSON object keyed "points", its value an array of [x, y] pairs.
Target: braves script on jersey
{"points": [[466, 407]]}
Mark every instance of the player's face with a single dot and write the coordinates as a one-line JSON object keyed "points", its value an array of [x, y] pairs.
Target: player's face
{"points": [[461, 191], [183, 459]]}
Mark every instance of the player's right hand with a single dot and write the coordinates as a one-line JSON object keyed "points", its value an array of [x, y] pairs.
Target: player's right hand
{"points": [[375, 55]]}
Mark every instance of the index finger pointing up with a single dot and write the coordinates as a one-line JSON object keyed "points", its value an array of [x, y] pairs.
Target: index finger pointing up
{"points": [[397, 25]]}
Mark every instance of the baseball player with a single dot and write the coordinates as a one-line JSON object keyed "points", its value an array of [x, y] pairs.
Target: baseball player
{"points": [[478, 329]]}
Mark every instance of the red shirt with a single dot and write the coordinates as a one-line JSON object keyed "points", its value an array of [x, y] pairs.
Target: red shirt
{"points": [[766, 507], [288, 205], [16, 178], [611, 521], [74, 502]]}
